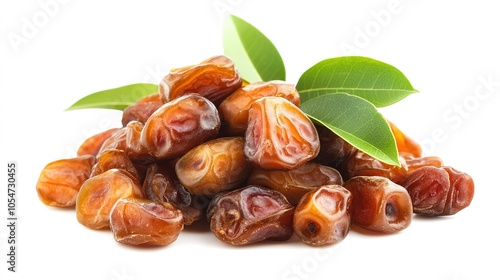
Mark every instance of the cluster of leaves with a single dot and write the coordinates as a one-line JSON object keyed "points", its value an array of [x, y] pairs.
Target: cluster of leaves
{"points": [[341, 93]]}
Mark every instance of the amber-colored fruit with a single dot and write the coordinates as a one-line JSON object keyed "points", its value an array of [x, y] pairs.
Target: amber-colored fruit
{"points": [[407, 147], [161, 184], [117, 140], [279, 135], [379, 204], [134, 148], [362, 164], [99, 193], [334, 150], [93, 144], [144, 222], [460, 193], [142, 109], [295, 183], [322, 216], [113, 158], [234, 109], [214, 78], [415, 163], [180, 125], [249, 215], [428, 187], [214, 166], [60, 180]]}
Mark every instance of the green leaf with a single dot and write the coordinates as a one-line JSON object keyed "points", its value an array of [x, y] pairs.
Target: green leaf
{"points": [[357, 121], [373, 80], [254, 55], [115, 98]]}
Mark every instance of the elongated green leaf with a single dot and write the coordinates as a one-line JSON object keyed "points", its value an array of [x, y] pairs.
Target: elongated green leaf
{"points": [[254, 55], [356, 121], [115, 98], [373, 80]]}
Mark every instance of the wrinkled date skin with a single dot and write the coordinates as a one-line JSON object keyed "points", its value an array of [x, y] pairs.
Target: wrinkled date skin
{"points": [[295, 183], [142, 109], [249, 215], [134, 148], [144, 222], [60, 180], [214, 166], [416, 163], [334, 150], [379, 204], [322, 216], [279, 135], [438, 191], [93, 144], [362, 164], [114, 158], [117, 140], [234, 109], [407, 147], [214, 78], [161, 184], [99, 193], [179, 126]]}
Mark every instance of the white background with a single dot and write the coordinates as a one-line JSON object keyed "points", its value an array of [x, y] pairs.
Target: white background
{"points": [[51, 55]]}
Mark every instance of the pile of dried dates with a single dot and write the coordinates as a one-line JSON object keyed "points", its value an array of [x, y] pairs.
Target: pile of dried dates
{"points": [[243, 156]]}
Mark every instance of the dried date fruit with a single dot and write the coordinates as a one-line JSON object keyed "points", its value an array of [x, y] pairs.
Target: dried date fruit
{"points": [[214, 166], [142, 109], [379, 204], [249, 215], [362, 164], [93, 144], [136, 151], [99, 193], [322, 216], [407, 147], [234, 109], [214, 78], [60, 180], [117, 140], [295, 183], [180, 125], [161, 184], [279, 135], [438, 191], [460, 193], [144, 222], [428, 187], [334, 150], [114, 158]]}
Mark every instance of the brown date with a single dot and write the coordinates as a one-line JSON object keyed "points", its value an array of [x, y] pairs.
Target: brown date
{"points": [[113, 158], [295, 183], [249, 215], [161, 184], [416, 163], [428, 187], [438, 191], [214, 166], [214, 78], [379, 204], [362, 164], [134, 148], [179, 126], [99, 193], [460, 193], [144, 222], [93, 144], [142, 109], [60, 180], [234, 109], [279, 135], [334, 150], [322, 216], [117, 140]]}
